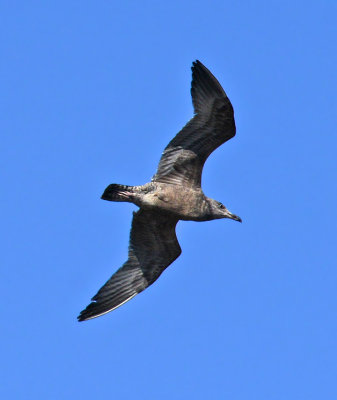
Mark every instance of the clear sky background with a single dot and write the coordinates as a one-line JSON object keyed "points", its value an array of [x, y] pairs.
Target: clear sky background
{"points": [[91, 93]]}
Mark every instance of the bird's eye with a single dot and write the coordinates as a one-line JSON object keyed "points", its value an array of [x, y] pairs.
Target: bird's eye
{"points": [[221, 205]]}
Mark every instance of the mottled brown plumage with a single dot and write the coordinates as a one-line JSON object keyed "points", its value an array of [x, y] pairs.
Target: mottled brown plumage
{"points": [[173, 194]]}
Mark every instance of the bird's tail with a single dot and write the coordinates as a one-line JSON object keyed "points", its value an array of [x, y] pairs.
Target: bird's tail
{"points": [[116, 192]]}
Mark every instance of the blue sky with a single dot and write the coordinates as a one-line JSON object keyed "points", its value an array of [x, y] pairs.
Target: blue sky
{"points": [[91, 93]]}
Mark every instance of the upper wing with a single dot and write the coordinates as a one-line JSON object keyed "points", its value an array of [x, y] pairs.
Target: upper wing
{"points": [[212, 125], [153, 247]]}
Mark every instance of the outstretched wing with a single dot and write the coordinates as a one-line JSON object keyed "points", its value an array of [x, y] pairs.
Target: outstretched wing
{"points": [[212, 125], [153, 247]]}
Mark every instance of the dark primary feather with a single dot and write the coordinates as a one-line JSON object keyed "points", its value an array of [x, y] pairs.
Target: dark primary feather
{"points": [[212, 125], [153, 247]]}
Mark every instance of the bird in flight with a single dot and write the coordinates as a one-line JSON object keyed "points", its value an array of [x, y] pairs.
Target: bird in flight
{"points": [[173, 194]]}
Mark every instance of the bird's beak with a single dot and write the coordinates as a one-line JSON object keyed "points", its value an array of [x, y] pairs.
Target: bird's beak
{"points": [[232, 216]]}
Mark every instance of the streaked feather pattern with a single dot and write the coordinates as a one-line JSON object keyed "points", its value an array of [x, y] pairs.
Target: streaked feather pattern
{"points": [[212, 125], [153, 247]]}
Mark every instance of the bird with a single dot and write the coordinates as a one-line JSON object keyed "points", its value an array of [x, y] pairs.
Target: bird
{"points": [[174, 193]]}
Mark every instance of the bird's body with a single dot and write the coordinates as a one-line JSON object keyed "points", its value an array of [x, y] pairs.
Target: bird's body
{"points": [[170, 199], [173, 194]]}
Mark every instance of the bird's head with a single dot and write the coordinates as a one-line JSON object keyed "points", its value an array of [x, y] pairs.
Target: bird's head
{"points": [[218, 211]]}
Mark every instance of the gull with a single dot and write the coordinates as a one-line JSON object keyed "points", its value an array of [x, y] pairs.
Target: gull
{"points": [[173, 194]]}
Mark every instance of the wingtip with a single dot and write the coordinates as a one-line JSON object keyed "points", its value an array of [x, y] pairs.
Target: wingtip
{"points": [[196, 64], [87, 314], [81, 317], [204, 87]]}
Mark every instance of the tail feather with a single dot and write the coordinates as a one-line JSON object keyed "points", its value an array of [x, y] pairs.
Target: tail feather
{"points": [[116, 192]]}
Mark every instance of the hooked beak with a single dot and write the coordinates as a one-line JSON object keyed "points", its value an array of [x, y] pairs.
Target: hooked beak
{"points": [[232, 216]]}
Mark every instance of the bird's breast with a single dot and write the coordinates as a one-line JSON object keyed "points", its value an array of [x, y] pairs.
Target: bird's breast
{"points": [[185, 203]]}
